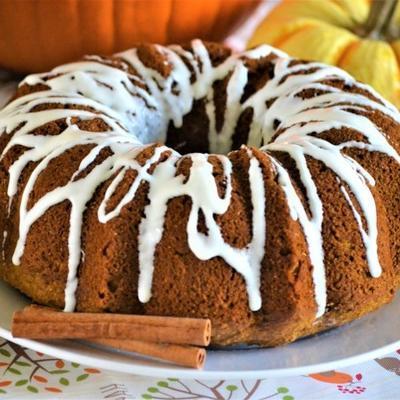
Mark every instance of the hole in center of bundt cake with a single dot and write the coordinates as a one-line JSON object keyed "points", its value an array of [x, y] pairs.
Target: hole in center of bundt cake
{"points": [[192, 136], [194, 133]]}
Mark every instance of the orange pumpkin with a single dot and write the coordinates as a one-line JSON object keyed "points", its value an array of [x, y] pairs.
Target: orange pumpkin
{"points": [[36, 35]]}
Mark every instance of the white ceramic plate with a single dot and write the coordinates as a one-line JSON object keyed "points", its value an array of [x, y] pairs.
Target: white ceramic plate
{"points": [[367, 338]]}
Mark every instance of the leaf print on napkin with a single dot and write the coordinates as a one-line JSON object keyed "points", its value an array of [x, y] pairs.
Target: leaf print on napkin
{"points": [[332, 377], [35, 372], [391, 364], [177, 389]]}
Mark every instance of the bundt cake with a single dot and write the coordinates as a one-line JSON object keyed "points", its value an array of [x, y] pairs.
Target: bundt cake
{"points": [[255, 189]]}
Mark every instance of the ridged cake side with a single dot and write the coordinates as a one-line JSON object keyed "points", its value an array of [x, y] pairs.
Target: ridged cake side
{"points": [[292, 233]]}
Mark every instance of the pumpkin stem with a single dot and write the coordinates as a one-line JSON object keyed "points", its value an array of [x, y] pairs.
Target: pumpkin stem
{"points": [[380, 24]]}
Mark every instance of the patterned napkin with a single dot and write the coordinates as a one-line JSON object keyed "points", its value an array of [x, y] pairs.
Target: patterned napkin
{"points": [[25, 375]]}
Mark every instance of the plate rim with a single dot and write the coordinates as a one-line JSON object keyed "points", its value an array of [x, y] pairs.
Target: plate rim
{"points": [[131, 368]]}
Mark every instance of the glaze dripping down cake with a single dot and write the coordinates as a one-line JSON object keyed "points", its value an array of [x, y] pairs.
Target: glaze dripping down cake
{"points": [[257, 190]]}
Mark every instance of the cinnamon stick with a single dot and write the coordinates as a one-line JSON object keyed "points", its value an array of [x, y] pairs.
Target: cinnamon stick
{"points": [[42, 323], [187, 356]]}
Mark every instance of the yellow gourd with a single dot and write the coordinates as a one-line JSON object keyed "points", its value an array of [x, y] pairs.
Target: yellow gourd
{"points": [[360, 36]]}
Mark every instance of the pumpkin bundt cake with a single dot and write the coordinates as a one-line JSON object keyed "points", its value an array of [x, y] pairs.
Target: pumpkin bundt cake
{"points": [[257, 190]]}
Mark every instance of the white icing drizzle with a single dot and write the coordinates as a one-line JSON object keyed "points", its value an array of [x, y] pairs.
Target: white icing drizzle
{"points": [[137, 104], [312, 231], [369, 238]]}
